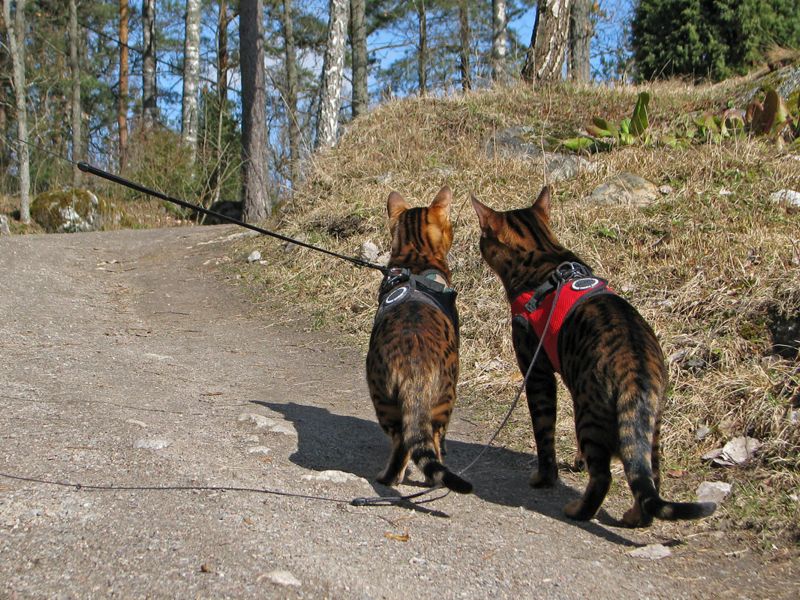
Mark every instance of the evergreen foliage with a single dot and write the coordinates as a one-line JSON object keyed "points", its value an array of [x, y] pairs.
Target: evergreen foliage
{"points": [[709, 38]]}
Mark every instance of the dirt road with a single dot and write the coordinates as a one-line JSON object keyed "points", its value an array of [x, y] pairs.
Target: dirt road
{"points": [[128, 363]]}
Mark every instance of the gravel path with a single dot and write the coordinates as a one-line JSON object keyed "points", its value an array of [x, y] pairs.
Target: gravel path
{"points": [[128, 367]]}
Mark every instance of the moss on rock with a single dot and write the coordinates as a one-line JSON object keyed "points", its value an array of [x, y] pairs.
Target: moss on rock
{"points": [[72, 210]]}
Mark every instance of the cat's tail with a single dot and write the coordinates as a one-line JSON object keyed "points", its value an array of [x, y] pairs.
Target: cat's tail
{"points": [[418, 439], [654, 506]]}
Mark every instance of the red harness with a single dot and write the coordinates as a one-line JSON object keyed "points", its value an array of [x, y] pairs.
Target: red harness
{"points": [[536, 306]]}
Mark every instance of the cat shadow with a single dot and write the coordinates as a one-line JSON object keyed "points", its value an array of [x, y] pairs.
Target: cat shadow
{"points": [[328, 441]]}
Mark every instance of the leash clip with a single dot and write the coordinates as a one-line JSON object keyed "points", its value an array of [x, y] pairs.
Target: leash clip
{"points": [[394, 277], [567, 271]]}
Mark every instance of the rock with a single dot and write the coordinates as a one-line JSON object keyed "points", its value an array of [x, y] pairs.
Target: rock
{"points": [[524, 143], [254, 256], [73, 210], [262, 450], [260, 421], [785, 81], [152, 444], [725, 192], [790, 198], [291, 246], [665, 190], [332, 476], [283, 428], [284, 578], [369, 251], [713, 491], [136, 422], [701, 433], [4, 229], [651, 552], [625, 189]]}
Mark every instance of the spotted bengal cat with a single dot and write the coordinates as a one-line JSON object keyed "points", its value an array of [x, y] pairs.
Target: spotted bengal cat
{"points": [[607, 355], [412, 362]]}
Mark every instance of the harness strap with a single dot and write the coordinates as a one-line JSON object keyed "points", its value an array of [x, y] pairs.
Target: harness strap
{"points": [[576, 284]]}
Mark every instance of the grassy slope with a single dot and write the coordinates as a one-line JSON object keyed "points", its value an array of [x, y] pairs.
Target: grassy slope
{"points": [[705, 269]]}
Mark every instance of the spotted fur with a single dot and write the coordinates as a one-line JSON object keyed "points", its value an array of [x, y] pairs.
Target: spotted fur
{"points": [[611, 362], [412, 362]]}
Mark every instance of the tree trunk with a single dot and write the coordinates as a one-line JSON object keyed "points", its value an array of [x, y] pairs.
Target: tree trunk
{"points": [[358, 35], [77, 151], [149, 91], [330, 97], [581, 30], [422, 50], [255, 177], [122, 110], [464, 34], [15, 30], [499, 40], [222, 97], [291, 93], [191, 77], [545, 57]]}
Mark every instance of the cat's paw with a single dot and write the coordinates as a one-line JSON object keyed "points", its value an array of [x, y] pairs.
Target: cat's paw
{"points": [[543, 479], [634, 517], [576, 510]]}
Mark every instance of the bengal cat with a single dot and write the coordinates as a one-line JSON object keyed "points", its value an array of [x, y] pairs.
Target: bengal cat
{"points": [[412, 362], [607, 355]]}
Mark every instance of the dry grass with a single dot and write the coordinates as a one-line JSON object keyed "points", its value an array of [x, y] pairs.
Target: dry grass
{"points": [[706, 270]]}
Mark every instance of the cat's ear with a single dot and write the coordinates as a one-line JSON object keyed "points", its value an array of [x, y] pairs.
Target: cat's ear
{"points": [[487, 218], [443, 199], [396, 206], [543, 201]]}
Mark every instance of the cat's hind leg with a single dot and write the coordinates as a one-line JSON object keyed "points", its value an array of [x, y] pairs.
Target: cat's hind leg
{"points": [[395, 470], [598, 463]]}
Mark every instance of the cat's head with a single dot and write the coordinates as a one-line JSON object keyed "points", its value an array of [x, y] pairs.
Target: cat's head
{"points": [[421, 237], [517, 240]]}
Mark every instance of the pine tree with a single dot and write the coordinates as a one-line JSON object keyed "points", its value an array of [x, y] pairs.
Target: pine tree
{"points": [[709, 38]]}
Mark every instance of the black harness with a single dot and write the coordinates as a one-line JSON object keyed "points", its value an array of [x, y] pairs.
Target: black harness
{"points": [[400, 286]]}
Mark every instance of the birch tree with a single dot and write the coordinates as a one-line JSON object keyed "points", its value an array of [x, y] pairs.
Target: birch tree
{"points": [[291, 92], [580, 36], [545, 56], [255, 152], [332, 74], [422, 47], [499, 40], [77, 152], [15, 34], [149, 90], [191, 76], [358, 37], [122, 106]]}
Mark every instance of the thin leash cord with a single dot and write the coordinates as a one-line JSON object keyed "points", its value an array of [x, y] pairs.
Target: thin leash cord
{"points": [[117, 179], [87, 168], [521, 387], [389, 500]]}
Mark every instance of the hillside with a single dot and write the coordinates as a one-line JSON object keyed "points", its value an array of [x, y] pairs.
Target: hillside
{"points": [[712, 264]]}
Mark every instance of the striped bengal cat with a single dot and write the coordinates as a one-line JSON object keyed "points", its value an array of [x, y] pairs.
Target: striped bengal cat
{"points": [[607, 355], [412, 362]]}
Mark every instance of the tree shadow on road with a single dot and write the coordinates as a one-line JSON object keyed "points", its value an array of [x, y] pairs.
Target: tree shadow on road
{"points": [[343, 443]]}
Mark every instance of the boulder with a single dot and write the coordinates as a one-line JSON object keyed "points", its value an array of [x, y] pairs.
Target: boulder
{"points": [[524, 143], [73, 210], [625, 189]]}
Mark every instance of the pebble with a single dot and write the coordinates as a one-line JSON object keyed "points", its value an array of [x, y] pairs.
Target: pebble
{"points": [[141, 424], [790, 197], [332, 476], [152, 444], [713, 491], [259, 450], [254, 256], [651, 552], [284, 578]]}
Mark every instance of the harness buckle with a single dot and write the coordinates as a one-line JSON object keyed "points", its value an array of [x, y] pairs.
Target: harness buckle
{"points": [[567, 271]]}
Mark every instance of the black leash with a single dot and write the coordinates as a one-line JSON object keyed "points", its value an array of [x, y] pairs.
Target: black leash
{"points": [[87, 168]]}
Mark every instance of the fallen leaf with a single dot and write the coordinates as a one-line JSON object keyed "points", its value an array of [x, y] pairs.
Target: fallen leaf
{"points": [[676, 473], [398, 537], [206, 568]]}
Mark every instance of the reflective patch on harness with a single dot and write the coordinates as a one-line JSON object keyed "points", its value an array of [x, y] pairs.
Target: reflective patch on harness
{"points": [[585, 283], [396, 294]]}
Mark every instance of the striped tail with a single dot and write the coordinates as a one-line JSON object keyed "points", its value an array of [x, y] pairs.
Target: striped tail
{"points": [[425, 458], [653, 505]]}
